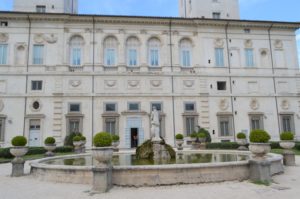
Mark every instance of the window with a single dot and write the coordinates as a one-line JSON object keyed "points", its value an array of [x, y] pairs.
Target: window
{"points": [[2, 128], [249, 57], [36, 85], [221, 86], [154, 50], [110, 125], [36, 105], [247, 31], [185, 51], [157, 105], [110, 51], [219, 55], [38, 54], [189, 107], [3, 53], [216, 15], [110, 107], [74, 126], [132, 106], [225, 126], [190, 125], [132, 45], [74, 107], [41, 9], [287, 123], [3, 23], [256, 122], [76, 54]]}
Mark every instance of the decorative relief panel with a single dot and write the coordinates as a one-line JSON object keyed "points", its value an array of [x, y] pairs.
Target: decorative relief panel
{"points": [[188, 83], [224, 104], [248, 43], [4, 37], [285, 104], [278, 44], [156, 83], [35, 105], [75, 83], [110, 84], [41, 38], [219, 43], [133, 84], [254, 104]]}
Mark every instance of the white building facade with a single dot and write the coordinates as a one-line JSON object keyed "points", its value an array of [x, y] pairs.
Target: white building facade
{"points": [[62, 74]]}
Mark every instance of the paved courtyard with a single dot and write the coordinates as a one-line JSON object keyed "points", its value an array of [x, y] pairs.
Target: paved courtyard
{"points": [[284, 186]]}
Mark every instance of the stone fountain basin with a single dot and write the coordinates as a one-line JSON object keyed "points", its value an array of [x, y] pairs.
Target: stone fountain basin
{"points": [[154, 175]]}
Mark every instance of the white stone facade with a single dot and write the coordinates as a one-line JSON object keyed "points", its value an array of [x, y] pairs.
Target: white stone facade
{"points": [[218, 9], [263, 86]]}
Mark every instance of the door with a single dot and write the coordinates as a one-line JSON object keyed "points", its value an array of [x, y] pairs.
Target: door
{"points": [[34, 133], [134, 137], [134, 126]]}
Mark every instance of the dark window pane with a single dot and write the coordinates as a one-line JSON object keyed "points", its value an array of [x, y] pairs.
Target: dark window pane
{"points": [[134, 107], [110, 107], [74, 107], [190, 107]]}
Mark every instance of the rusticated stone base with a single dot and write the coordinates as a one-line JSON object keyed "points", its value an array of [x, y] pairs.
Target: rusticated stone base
{"points": [[17, 167], [102, 179], [289, 158], [260, 170]]}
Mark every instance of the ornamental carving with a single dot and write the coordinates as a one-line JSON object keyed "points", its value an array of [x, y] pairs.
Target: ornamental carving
{"points": [[1, 105], [248, 43], [278, 44], [156, 83], [285, 105], [51, 39], [133, 83], [110, 83], [188, 83], [254, 104], [4, 37], [35, 105], [224, 104], [38, 38], [219, 43], [75, 83]]}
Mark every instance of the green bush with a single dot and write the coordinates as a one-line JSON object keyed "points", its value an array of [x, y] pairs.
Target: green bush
{"points": [[222, 145], [287, 136], [19, 141], [275, 145], [201, 135], [49, 140], [69, 139], [259, 136], [241, 136], [194, 135], [208, 137], [115, 138], [82, 138], [179, 137], [77, 138], [102, 139]]}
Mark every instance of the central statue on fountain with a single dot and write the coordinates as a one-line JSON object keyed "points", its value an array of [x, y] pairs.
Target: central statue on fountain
{"points": [[155, 148]]}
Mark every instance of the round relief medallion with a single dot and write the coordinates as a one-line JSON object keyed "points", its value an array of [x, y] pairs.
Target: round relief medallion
{"points": [[133, 83], [35, 105], [110, 83], [224, 104], [285, 105], [155, 83], [189, 83], [254, 104], [75, 83]]}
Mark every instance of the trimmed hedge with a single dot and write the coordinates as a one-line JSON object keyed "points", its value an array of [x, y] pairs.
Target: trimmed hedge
{"points": [[4, 152], [222, 145]]}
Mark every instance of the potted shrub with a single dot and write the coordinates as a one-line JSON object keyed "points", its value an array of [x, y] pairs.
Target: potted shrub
{"points": [[179, 141], [102, 150], [242, 141], [50, 146], [193, 137], [77, 143], [19, 148], [201, 137], [287, 140], [115, 141], [259, 143]]}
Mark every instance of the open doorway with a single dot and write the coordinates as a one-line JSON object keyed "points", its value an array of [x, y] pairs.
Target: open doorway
{"points": [[134, 137]]}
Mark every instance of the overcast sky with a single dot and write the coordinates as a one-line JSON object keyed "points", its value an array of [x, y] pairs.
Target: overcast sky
{"points": [[273, 10]]}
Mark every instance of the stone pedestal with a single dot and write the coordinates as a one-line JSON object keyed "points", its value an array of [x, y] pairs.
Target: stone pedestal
{"points": [[289, 158], [161, 154], [260, 170], [243, 148], [102, 178], [17, 167]]}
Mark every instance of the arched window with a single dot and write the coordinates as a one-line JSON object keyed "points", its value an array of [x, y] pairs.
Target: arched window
{"points": [[154, 52], [132, 46], [185, 52], [76, 50], [110, 51]]}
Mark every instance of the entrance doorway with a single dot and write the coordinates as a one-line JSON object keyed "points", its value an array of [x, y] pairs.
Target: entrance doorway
{"points": [[134, 132], [34, 132]]}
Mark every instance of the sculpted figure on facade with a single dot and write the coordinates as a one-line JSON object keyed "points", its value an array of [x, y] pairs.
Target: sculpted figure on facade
{"points": [[155, 124]]}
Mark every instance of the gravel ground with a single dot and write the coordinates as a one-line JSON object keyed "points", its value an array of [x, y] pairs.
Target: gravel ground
{"points": [[284, 186]]}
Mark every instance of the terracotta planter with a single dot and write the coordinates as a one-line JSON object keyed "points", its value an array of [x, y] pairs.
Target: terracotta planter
{"points": [[102, 154], [18, 151], [179, 144], [260, 149], [50, 148], [287, 144]]}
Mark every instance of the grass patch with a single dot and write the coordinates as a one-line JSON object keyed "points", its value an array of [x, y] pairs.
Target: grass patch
{"points": [[280, 151], [261, 183], [32, 157]]}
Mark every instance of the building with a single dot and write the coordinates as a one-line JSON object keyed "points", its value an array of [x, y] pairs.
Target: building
{"points": [[216, 9], [64, 73]]}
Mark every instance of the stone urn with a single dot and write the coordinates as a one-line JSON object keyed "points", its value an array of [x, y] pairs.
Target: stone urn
{"points": [[259, 150], [18, 152], [287, 144], [50, 148], [103, 155], [115, 145], [242, 144], [179, 144], [82, 146], [202, 140], [77, 146]]}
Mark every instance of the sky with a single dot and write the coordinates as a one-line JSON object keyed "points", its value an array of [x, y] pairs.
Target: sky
{"points": [[273, 10]]}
